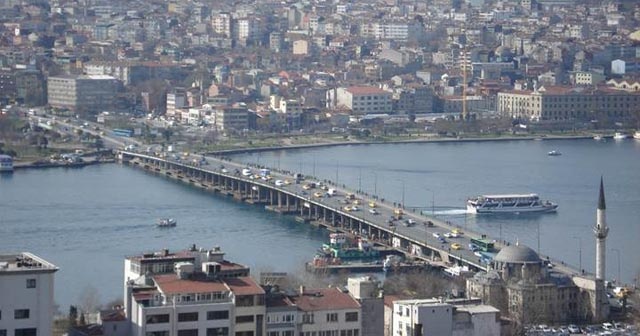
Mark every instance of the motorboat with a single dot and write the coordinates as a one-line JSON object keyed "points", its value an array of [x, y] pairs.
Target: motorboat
{"points": [[166, 222], [620, 136], [598, 137], [636, 135], [554, 153]]}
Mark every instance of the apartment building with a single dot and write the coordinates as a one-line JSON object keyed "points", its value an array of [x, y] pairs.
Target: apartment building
{"points": [[235, 117], [437, 317], [26, 295], [362, 99], [84, 93], [558, 103], [190, 293]]}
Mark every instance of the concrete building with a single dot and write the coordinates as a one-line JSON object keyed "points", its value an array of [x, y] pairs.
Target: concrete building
{"points": [[176, 100], [365, 291], [361, 99], [440, 318], [569, 103], [191, 292], [300, 47], [26, 295], [234, 117], [327, 311], [83, 94]]}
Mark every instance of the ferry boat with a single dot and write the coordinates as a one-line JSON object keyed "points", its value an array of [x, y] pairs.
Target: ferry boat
{"points": [[510, 203], [6, 163], [167, 222], [338, 248], [620, 136]]}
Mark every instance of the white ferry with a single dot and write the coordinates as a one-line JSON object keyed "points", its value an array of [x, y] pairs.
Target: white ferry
{"points": [[510, 203]]}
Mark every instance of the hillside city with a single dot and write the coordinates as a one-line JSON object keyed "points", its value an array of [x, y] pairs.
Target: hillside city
{"points": [[162, 84]]}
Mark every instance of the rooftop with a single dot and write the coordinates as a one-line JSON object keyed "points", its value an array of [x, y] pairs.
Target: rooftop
{"points": [[325, 299], [243, 286], [366, 90], [24, 262], [172, 284]]}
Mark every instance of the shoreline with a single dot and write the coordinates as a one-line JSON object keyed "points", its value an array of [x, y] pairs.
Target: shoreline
{"points": [[419, 140]]}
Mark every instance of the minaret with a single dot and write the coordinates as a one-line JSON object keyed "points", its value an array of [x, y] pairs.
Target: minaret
{"points": [[601, 230]]}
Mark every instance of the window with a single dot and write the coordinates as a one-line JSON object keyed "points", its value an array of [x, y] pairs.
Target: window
{"points": [[244, 319], [188, 317], [244, 301], [3, 332], [351, 317], [157, 333], [332, 317], [26, 332], [188, 332], [217, 331], [20, 314], [218, 315], [31, 283], [159, 318]]}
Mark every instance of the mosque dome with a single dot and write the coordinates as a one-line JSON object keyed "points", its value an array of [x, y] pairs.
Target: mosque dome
{"points": [[517, 254]]}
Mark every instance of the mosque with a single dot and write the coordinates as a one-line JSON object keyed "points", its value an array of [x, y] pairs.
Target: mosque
{"points": [[526, 290]]}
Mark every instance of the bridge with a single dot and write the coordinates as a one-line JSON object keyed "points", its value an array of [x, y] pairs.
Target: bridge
{"points": [[419, 240]]}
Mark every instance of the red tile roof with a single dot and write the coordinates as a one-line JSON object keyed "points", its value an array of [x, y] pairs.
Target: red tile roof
{"points": [[171, 284], [325, 299], [244, 286]]}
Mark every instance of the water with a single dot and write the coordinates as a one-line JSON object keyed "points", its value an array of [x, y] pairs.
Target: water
{"points": [[439, 177], [87, 220]]}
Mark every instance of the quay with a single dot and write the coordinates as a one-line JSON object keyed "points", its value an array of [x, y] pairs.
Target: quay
{"points": [[418, 241]]}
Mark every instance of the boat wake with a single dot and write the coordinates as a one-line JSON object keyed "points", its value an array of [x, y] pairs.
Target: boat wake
{"points": [[446, 212]]}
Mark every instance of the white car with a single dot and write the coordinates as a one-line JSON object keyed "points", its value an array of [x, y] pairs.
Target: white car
{"points": [[279, 183], [436, 235], [373, 211]]}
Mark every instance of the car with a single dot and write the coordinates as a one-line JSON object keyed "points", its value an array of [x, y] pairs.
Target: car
{"points": [[224, 170], [442, 240], [373, 211], [347, 208], [317, 195], [607, 326], [574, 329], [279, 183], [354, 208], [436, 235], [447, 235], [287, 182], [456, 246]]}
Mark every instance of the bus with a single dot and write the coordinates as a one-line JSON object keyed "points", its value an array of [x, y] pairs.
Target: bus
{"points": [[122, 132], [484, 245]]}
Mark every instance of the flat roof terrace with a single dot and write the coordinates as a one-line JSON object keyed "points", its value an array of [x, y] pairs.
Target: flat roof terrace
{"points": [[24, 262]]}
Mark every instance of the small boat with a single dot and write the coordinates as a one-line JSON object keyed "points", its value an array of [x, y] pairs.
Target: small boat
{"points": [[636, 135], [167, 222], [620, 136], [554, 153], [598, 137]]}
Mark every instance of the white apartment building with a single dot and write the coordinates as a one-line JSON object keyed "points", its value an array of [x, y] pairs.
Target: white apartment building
{"points": [[26, 295], [290, 106], [434, 317], [190, 293], [362, 99], [401, 31], [234, 117], [176, 100]]}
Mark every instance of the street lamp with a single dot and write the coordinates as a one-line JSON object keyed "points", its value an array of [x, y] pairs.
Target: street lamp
{"points": [[579, 252], [618, 253], [375, 183], [402, 204], [433, 200]]}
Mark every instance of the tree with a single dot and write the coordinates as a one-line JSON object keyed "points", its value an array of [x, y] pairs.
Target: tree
{"points": [[73, 315], [167, 133], [89, 299]]}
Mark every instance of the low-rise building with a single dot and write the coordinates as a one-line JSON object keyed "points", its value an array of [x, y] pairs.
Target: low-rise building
{"points": [[443, 318], [361, 99], [559, 103], [26, 295]]}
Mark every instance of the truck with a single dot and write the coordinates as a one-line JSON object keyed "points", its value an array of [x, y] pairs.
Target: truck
{"points": [[332, 192], [264, 172]]}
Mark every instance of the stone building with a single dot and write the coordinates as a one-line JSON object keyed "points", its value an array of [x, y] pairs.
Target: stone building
{"points": [[525, 290]]}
